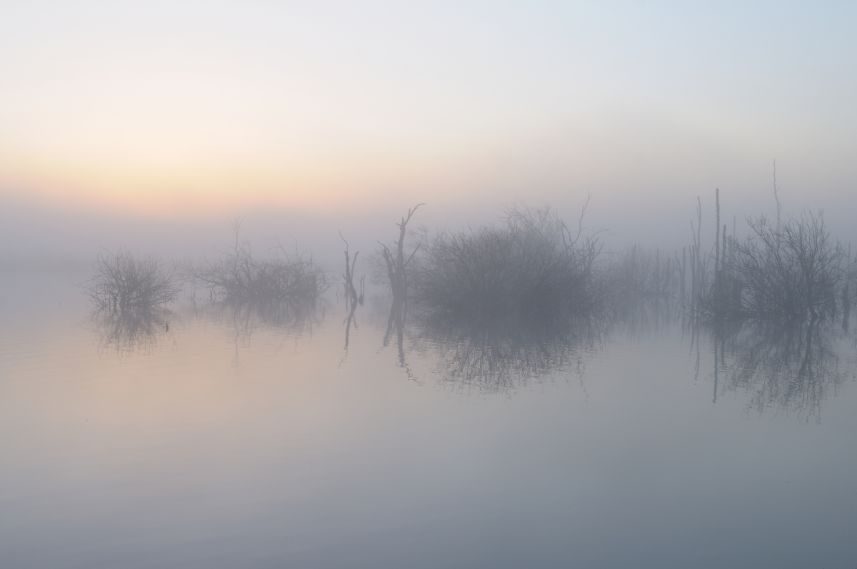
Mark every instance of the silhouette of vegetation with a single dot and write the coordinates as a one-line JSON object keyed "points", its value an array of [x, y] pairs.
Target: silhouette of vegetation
{"points": [[278, 289], [124, 284], [130, 296], [352, 298], [397, 265], [397, 261], [530, 268], [791, 271]]}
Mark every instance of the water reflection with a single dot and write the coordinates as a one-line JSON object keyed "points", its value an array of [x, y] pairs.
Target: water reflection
{"points": [[503, 354], [244, 318], [129, 331], [793, 367], [129, 298], [396, 330]]}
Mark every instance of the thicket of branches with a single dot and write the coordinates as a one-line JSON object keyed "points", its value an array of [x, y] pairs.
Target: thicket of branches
{"points": [[290, 282], [125, 284], [790, 271], [637, 275], [530, 267], [782, 270]]}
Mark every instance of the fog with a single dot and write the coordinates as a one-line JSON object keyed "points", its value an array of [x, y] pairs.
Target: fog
{"points": [[44, 235], [431, 285]]}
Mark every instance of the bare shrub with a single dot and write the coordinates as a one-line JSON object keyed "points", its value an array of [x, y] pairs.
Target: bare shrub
{"points": [[278, 286], [125, 284], [790, 271], [531, 267]]}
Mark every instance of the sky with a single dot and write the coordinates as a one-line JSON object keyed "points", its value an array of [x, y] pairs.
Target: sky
{"points": [[195, 112]]}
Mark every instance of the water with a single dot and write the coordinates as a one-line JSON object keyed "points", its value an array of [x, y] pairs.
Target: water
{"points": [[212, 439]]}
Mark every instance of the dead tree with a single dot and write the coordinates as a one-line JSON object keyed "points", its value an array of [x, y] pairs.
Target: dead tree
{"points": [[396, 261], [352, 298]]}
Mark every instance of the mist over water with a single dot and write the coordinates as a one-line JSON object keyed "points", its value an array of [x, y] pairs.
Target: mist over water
{"points": [[428, 285], [497, 387]]}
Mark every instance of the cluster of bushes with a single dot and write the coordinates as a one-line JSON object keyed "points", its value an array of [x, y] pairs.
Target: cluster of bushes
{"points": [[131, 294], [529, 268], [786, 271]]}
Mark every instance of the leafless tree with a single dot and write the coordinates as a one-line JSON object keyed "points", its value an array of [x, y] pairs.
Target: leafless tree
{"points": [[124, 284], [792, 272], [397, 260]]}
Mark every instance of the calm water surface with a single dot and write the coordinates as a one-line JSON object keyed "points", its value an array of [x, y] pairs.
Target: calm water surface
{"points": [[218, 439]]}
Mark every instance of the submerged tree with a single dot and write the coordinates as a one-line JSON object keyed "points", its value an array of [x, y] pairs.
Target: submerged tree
{"points": [[130, 296], [282, 285], [791, 270], [126, 284], [531, 267], [397, 261], [352, 298]]}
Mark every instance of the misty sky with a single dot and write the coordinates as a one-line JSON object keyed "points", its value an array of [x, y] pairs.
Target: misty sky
{"points": [[206, 110]]}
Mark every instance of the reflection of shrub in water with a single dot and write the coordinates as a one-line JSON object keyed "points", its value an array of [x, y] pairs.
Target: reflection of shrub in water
{"points": [[283, 292], [130, 331], [504, 353], [130, 296], [794, 367], [245, 317]]}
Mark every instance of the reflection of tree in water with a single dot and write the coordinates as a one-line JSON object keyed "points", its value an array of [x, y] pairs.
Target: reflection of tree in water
{"points": [[292, 320], [793, 367], [396, 329], [245, 318], [129, 331], [500, 354]]}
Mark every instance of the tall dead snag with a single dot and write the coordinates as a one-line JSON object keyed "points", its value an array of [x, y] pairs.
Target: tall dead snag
{"points": [[397, 272], [352, 298], [718, 267], [696, 263], [396, 261]]}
